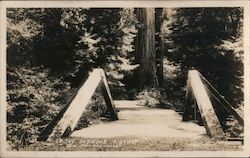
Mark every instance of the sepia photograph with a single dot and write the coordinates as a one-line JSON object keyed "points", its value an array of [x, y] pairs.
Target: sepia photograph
{"points": [[124, 79]]}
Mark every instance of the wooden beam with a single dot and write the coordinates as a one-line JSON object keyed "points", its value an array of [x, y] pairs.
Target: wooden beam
{"points": [[43, 136], [63, 125], [210, 119], [226, 105], [107, 96], [70, 118], [188, 102]]}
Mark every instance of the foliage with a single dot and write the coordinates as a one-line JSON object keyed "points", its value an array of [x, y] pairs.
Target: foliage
{"points": [[76, 39], [23, 30], [213, 46], [154, 97], [174, 84], [102, 41], [209, 40], [50, 52], [233, 129], [33, 99], [94, 111]]}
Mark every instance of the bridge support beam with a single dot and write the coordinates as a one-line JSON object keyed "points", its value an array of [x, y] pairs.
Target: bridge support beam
{"points": [[209, 117], [65, 122], [225, 104]]}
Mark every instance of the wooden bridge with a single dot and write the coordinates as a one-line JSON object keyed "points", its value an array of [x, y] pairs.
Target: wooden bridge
{"points": [[133, 118]]}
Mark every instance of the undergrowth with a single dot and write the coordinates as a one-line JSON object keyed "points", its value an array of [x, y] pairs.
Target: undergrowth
{"points": [[154, 98], [94, 111], [33, 100]]}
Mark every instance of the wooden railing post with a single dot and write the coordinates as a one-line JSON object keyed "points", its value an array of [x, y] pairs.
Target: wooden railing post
{"points": [[210, 119], [188, 102], [107, 96]]}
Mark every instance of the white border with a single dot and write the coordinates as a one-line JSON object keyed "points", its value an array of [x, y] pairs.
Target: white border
{"points": [[124, 3], [110, 4]]}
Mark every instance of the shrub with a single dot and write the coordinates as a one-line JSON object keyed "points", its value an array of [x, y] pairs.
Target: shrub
{"points": [[94, 110], [33, 99], [154, 97]]}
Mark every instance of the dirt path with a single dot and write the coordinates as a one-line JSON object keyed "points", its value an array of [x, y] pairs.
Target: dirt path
{"points": [[142, 122]]}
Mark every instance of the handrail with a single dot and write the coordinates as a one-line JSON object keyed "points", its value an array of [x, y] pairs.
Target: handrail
{"points": [[209, 117], [65, 122], [223, 101]]}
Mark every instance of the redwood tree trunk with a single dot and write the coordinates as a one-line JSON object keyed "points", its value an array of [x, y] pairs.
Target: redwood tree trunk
{"points": [[159, 40], [145, 48]]}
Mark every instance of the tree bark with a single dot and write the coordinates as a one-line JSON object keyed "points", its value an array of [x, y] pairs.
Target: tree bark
{"points": [[159, 44], [145, 48]]}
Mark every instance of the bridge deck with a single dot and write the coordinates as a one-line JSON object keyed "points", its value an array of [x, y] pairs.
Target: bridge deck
{"points": [[139, 121]]}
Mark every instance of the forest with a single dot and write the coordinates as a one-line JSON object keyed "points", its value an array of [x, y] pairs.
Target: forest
{"points": [[145, 52]]}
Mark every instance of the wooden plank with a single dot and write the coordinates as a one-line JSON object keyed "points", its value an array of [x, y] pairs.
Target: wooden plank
{"points": [[64, 123], [188, 102], [107, 96], [223, 101], [70, 118], [210, 119], [43, 136], [236, 139]]}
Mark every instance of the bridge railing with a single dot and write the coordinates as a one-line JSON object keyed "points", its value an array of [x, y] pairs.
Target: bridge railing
{"points": [[197, 91], [65, 122], [223, 102], [200, 91]]}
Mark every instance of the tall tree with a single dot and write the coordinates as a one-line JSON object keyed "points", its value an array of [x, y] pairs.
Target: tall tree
{"points": [[145, 48], [159, 43]]}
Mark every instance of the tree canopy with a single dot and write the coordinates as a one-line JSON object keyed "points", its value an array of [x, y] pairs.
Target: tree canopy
{"points": [[210, 40]]}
